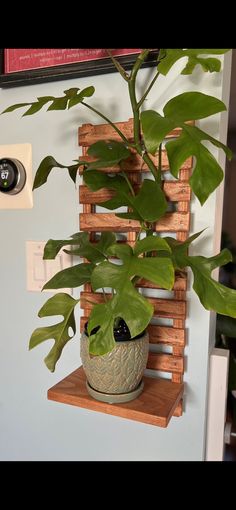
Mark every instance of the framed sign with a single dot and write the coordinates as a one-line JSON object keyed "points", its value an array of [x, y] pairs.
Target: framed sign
{"points": [[30, 65]]}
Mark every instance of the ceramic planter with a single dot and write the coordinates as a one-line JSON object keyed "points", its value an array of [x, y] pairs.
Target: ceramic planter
{"points": [[117, 375]]}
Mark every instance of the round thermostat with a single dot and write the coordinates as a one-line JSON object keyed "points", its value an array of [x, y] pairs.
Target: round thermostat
{"points": [[12, 176]]}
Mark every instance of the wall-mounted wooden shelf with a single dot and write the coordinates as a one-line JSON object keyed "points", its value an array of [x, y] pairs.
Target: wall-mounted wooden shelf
{"points": [[155, 405], [161, 398]]}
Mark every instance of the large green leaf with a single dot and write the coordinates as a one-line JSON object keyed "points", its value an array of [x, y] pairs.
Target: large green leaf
{"points": [[181, 108], [45, 167], [71, 98], [94, 252], [127, 304], [71, 277], [171, 56], [212, 294], [155, 128], [192, 106], [53, 246], [151, 243], [158, 270], [109, 153], [207, 173], [60, 304], [148, 205]]}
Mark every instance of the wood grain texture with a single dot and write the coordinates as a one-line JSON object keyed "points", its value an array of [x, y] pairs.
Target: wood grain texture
{"points": [[90, 133], [174, 192], [154, 406], [165, 362], [171, 222], [166, 335]]}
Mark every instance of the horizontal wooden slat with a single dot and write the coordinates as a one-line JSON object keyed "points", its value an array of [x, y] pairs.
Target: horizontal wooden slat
{"points": [[165, 362], [169, 308], [135, 164], [89, 133], [180, 284], [166, 335], [171, 222], [174, 191]]}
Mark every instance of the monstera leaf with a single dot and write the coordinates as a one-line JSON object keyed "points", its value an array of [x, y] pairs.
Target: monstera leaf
{"points": [[127, 303], [80, 273], [46, 166], [84, 248], [60, 304], [168, 57], [109, 153], [71, 98], [148, 205], [212, 294], [71, 277], [207, 173]]}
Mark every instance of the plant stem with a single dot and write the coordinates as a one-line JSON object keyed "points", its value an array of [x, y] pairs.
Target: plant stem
{"points": [[109, 122], [104, 295], [119, 68], [148, 90], [128, 182], [136, 114], [160, 158]]}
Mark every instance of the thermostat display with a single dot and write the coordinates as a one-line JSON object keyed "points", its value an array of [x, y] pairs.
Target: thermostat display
{"points": [[12, 176]]}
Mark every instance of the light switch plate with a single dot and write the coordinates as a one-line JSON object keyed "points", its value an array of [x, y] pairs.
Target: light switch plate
{"points": [[39, 271], [23, 199]]}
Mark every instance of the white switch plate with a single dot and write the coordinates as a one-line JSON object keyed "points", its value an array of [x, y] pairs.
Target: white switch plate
{"points": [[23, 199], [39, 271]]}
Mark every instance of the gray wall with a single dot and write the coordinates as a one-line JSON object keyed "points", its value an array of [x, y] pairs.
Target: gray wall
{"points": [[32, 428]]}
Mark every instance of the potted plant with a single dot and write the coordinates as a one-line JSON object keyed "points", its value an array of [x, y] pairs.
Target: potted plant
{"points": [[125, 313]]}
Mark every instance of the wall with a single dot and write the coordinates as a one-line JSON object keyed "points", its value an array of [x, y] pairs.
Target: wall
{"points": [[32, 428]]}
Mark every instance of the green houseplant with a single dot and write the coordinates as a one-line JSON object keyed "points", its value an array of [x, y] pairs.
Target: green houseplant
{"points": [[153, 257]]}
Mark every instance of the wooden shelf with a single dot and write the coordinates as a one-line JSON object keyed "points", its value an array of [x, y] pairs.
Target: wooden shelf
{"points": [[155, 406]]}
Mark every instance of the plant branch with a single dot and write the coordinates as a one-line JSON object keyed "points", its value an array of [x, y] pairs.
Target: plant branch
{"points": [[128, 182], [109, 122], [148, 90], [136, 114], [119, 68], [160, 158]]}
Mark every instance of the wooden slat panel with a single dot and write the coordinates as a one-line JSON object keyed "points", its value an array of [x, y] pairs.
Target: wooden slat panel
{"points": [[89, 133], [169, 308], [166, 335], [155, 405], [165, 362], [174, 191], [171, 222], [135, 164]]}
